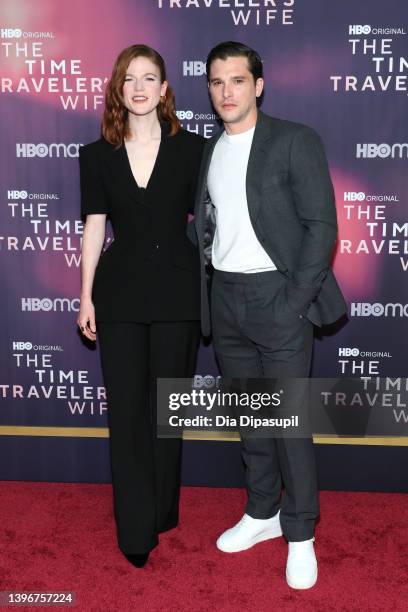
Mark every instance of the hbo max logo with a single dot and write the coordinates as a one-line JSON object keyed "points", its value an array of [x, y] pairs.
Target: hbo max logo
{"points": [[364, 309], [49, 305], [383, 150], [349, 352], [28, 149]]}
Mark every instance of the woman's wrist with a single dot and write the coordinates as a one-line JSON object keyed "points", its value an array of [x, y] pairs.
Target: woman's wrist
{"points": [[86, 296]]}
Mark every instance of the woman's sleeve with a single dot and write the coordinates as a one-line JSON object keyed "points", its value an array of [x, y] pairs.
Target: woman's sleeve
{"points": [[93, 195]]}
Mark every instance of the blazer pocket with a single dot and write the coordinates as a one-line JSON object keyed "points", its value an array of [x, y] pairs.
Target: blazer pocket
{"points": [[299, 299]]}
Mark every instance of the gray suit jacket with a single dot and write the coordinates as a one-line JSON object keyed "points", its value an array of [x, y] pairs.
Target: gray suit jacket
{"points": [[291, 207]]}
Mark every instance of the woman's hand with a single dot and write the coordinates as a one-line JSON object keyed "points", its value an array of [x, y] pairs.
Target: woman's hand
{"points": [[92, 242], [86, 318]]}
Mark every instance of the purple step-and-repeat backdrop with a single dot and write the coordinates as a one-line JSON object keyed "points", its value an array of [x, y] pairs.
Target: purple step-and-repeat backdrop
{"points": [[340, 67]]}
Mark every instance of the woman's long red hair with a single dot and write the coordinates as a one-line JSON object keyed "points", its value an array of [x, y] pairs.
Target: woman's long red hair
{"points": [[115, 126]]}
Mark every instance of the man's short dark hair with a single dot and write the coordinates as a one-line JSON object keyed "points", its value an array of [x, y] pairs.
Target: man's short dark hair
{"points": [[236, 49]]}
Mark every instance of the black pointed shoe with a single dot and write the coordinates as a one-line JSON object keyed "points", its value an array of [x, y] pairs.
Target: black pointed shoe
{"points": [[139, 560]]}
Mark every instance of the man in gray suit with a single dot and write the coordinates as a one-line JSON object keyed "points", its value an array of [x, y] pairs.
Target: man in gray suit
{"points": [[266, 226]]}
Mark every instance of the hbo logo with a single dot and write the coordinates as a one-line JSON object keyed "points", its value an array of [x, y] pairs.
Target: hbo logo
{"points": [[13, 194], [353, 196], [193, 68], [349, 352], [22, 346], [10, 33], [185, 114], [205, 381], [359, 29]]}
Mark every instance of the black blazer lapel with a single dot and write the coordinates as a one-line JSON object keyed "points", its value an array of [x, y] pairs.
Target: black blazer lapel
{"points": [[118, 164], [256, 165], [202, 177], [204, 214], [254, 177]]}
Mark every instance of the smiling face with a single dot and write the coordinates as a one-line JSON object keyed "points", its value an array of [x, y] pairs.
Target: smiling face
{"points": [[233, 92], [142, 87]]}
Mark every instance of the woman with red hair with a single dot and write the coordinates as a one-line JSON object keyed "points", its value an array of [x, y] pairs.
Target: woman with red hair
{"points": [[142, 295]]}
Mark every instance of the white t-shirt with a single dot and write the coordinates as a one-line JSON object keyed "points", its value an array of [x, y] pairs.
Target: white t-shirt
{"points": [[235, 246]]}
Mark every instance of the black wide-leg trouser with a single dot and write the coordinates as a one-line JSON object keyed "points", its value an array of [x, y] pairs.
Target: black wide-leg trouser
{"points": [[257, 335], [145, 469]]}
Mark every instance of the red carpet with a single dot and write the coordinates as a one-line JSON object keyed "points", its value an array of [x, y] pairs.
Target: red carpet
{"points": [[60, 537]]}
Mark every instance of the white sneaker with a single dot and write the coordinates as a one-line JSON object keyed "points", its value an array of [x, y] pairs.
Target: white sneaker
{"points": [[301, 567], [248, 532]]}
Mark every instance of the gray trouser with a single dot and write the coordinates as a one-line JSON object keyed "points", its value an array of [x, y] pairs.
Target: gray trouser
{"points": [[257, 335]]}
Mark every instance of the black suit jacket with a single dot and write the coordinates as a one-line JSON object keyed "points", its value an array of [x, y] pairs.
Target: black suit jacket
{"points": [[151, 270], [292, 210]]}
